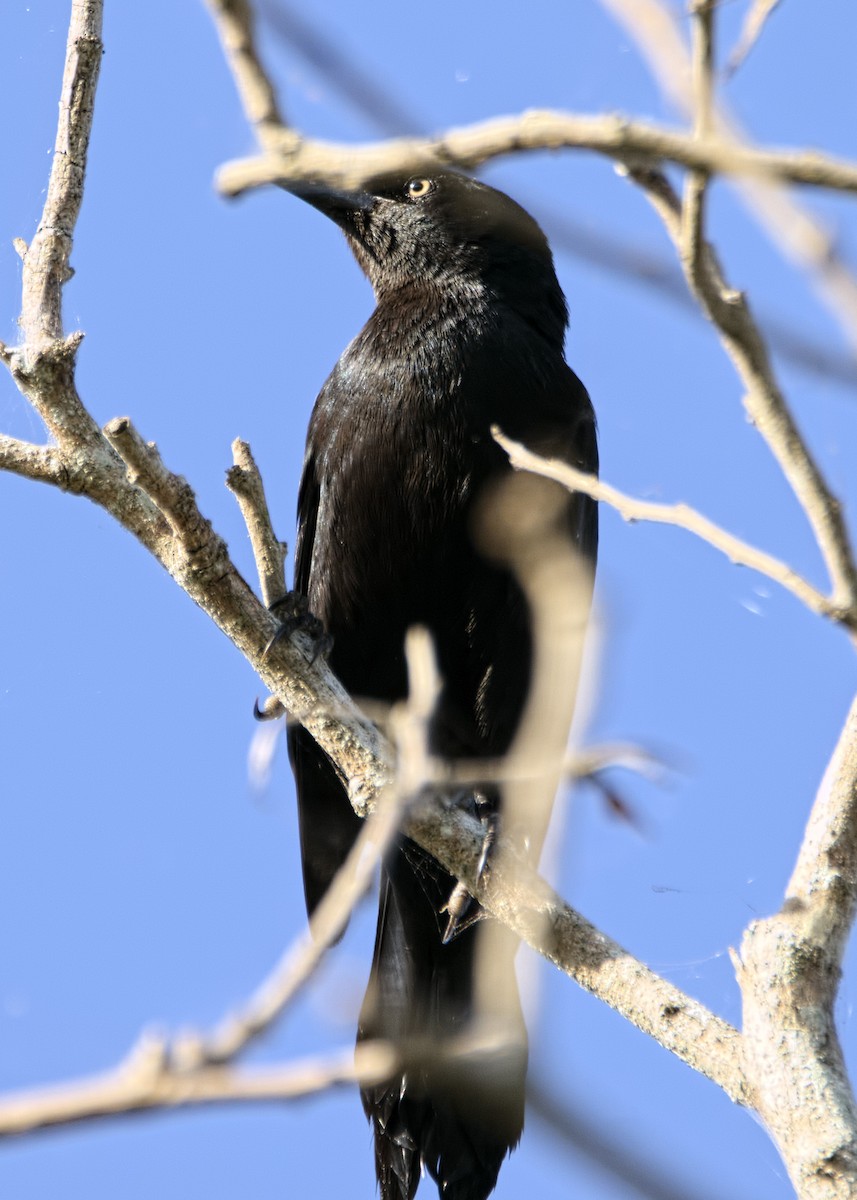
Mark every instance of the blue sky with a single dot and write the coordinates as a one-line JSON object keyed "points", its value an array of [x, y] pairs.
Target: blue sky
{"points": [[142, 881]]}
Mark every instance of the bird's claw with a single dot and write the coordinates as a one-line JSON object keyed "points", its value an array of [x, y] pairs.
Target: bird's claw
{"points": [[487, 814], [270, 710], [457, 909], [461, 904], [292, 611]]}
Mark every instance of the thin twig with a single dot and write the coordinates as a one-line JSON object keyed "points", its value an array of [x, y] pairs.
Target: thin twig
{"points": [[525, 528], [245, 483], [702, 65], [681, 516], [205, 552], [46, 262], [235, 25], [43, 363], [696, 185], [754, 22]]}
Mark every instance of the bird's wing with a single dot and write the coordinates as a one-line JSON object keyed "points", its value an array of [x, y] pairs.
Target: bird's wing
{"points": [[327, 823], [584, 510], [309, 496]]}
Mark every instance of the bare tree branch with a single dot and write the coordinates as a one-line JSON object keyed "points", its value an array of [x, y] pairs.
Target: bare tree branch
{"points": [[235, 24], [825, 874], [46, 262], [615, 137], [789, 976], [518, 897], [245, 483], [754, 22], [155, 505], [515, 894], [42, 463], [696, 184], [702, 65], [580, 764], [173, 497], [197, 559]]}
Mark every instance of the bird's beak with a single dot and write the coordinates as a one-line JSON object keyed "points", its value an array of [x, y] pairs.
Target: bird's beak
{"points": [[341, 206]]}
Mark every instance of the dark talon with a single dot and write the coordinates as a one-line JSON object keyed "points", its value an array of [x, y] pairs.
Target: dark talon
{"points": [[461, 907], [457, 907], [487, 814], [322, 644], [292, 611]]}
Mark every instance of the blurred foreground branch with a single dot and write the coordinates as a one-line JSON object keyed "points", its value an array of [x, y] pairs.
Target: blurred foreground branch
{"points": [[149, 1080]]}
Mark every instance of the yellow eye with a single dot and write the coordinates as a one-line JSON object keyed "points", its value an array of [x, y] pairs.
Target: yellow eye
{"points": [[415, 189]]}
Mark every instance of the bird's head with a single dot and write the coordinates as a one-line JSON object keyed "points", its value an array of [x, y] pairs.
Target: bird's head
{"points": [[442, 229]]}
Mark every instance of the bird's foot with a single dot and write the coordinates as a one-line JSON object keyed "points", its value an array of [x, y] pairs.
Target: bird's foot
{"points": [[292, 611], [461, 908], [270, 710]]}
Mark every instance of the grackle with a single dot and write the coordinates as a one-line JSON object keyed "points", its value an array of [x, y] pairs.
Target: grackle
{"points": [[467, 333]]}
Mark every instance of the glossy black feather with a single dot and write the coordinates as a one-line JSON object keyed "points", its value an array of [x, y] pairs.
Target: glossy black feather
{"points": [[467, 333]]}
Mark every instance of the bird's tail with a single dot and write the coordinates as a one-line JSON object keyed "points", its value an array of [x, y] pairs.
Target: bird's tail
{"points": [[457, 1108]]}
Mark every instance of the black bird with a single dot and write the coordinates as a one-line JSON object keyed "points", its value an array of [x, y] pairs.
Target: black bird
{"points": [[467, 333]]}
